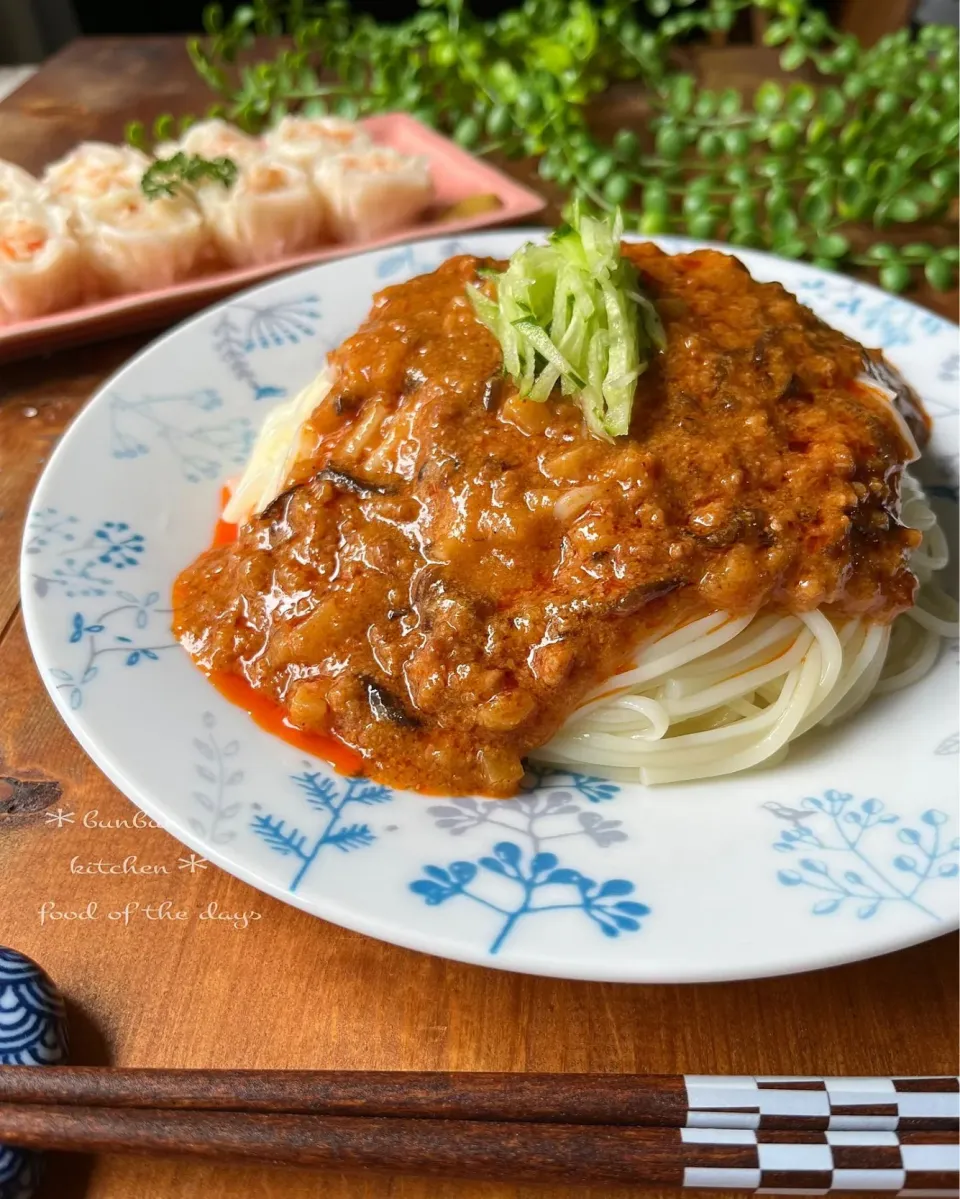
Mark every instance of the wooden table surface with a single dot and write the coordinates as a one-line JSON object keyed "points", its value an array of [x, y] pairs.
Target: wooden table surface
{"points": [[288, 990]]}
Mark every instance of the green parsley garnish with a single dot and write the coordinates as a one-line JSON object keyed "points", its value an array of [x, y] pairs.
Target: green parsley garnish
{"points": [[166, 175], [571, 313]]}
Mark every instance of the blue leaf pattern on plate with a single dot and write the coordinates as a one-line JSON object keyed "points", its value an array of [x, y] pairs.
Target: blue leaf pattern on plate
{"points": [[202, 448], [116, 629], [864, 871], [48, 526], [217, 774], [950, 369], [84, 563], [329, 796], [243, 329], [519, 878], [949, 745], [406, 261], [890, 321]]}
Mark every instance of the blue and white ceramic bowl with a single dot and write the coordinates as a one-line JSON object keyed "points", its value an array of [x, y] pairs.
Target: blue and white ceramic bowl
{"points": [[33, 1032], [847, 849]]}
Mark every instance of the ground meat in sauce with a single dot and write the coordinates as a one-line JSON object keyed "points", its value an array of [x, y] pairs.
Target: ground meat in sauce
{"points": [[454, 568]]}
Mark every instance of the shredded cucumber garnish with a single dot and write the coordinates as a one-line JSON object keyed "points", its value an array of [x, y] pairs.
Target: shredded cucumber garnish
{"points": [[571, 313]]}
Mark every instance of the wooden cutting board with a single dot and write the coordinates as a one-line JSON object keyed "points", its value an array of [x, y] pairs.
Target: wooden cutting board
{"points": [[166, 961]]}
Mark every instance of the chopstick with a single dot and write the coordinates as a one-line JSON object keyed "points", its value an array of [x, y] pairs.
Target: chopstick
{"points": [[518, 1152], [661, 1101]]}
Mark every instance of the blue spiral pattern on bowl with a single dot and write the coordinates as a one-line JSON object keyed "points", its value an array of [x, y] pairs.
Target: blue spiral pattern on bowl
{"points": [[33, 1032]]}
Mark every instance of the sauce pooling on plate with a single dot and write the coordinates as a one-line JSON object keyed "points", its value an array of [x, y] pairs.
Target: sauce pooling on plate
{"points": [[451, 569]]}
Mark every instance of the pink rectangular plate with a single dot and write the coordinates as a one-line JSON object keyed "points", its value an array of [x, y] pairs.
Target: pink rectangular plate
{"points": [[457, 175]]}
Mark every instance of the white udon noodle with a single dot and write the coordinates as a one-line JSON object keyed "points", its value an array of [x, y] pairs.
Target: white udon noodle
{"points": [[716, 696], [721, 694]]}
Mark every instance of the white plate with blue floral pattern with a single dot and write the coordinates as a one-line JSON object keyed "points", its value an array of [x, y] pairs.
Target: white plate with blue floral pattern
{"points": [[847, 849]]}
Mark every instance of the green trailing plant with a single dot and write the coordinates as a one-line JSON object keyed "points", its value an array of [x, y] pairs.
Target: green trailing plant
{"points": [[791, 168]]}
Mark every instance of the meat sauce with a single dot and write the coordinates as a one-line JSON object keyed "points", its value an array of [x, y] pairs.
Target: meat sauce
{"points": [[452, 569]]}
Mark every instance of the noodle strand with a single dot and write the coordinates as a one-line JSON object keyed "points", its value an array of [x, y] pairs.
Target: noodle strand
{"points": [[723, 694]]}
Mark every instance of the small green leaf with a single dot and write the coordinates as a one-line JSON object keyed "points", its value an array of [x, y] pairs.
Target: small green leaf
{"points": [[831, 246], [831, 105], [135, 134], [499, 120], [895, 276], [903, 208], [710, 144], [886, 102], [948, 132], [853, 200], [600, 168], [527, 104], [940, 273], [759, 130], [652, 223], [467, 132], [702, 225], [783, 137], [785, 224], [695, 203], [845, 55], [924, 193], [778, 199], [547, 168], [164, 127], [213, 19], [655, 201], [815, 209], [704, 184], [743, 209], [626, 144], [800, 99], [777, 33], [817, 131], [772, 167], [883, 252], [793, 57], [746, 235], [670, 141], [682, 92], [791, 247], [768, 99], [729, 103], [944, 179], [617, 188], [851, 135], [854, 86]]}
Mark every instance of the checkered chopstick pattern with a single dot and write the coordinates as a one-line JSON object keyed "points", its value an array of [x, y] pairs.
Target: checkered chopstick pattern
{"points": [[817, 1163], [760, 1102]]}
